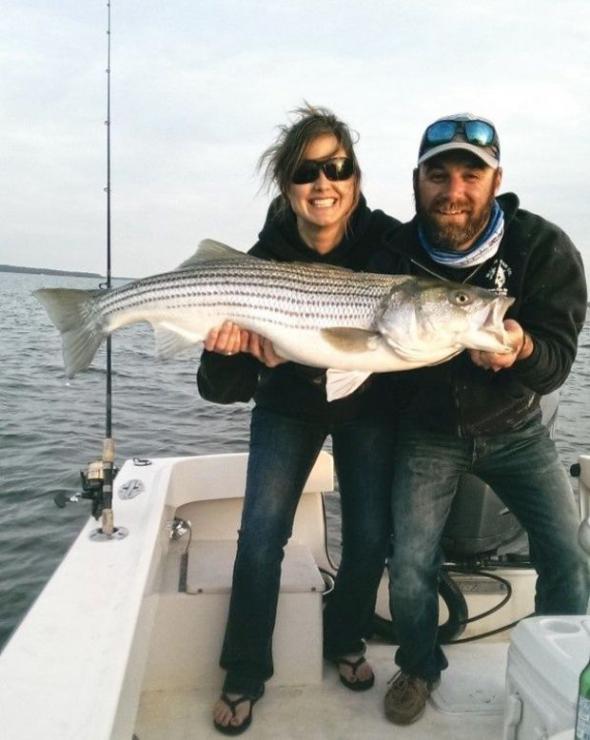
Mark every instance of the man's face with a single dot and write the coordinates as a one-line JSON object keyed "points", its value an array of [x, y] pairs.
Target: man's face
{"points": [[454, 197]]}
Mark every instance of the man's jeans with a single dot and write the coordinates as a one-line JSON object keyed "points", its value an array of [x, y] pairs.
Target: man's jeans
{"points": [[523, 469], [282, 453]]}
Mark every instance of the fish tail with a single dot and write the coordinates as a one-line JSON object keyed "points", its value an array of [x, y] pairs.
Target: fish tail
{"points": [[76, 315]]}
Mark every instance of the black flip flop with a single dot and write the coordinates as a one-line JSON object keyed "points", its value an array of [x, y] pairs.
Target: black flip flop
{"points": [[232, 704], [367, 683]]}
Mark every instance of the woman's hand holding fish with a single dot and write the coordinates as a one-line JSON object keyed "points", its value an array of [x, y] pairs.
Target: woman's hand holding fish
{"points": [[229, 339], [226, 339], [516, 338]]}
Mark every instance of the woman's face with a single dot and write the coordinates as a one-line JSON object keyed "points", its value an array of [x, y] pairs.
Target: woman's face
{"points": [[323, 203]]}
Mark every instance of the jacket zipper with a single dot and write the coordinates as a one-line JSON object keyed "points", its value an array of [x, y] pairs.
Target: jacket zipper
{"points": [[457, 409]]}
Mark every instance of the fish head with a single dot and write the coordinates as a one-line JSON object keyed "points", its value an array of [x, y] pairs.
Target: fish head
{"points": [[421, 316], [486, 326]]}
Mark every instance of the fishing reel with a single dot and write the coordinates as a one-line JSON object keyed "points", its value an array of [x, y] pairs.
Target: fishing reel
{"points": [[92, 478]]}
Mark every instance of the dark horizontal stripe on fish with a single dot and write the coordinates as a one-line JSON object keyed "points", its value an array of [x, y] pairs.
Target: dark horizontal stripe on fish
{"points": [[226, 295], [315, 326], [217, 279], [247, 288], [319, 296], [286, 305], [254, 276]]}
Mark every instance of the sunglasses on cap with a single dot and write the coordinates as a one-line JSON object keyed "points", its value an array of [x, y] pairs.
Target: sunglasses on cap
{"points": [[338, 168], [479, 133]]}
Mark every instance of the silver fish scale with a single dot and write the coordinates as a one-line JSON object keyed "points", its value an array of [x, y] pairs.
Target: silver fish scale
{"points": [[294, 295]]}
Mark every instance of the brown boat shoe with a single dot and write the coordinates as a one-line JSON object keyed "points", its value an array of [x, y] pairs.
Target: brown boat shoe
{"points": [[405, 700]]}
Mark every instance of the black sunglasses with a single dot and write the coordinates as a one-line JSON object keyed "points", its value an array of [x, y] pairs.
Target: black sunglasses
{"points": [[338, 168], [480, 133]]}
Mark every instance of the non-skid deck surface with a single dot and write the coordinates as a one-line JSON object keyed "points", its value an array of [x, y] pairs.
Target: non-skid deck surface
{"points": [[467, 705]]}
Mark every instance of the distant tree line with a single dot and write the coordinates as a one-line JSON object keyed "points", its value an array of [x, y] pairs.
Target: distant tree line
{"points": [[44, 271]]}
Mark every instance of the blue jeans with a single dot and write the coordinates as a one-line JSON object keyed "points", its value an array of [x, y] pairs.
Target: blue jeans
{"points": [[523, 469], [283, 451]]}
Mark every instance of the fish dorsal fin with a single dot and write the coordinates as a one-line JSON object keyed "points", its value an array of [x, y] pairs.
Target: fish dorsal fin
{"points": [[351, 340], [209, 250]]}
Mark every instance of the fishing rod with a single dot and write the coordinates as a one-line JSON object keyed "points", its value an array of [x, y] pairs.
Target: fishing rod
{"points": [[108, 451], [97, 478]]}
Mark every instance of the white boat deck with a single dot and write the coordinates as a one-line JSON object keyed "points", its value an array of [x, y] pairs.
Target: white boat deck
{"points": [[468, 704], [124, 641]]}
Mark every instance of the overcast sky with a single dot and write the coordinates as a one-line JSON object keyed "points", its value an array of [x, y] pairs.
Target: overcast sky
{"points": [[198, 89]]}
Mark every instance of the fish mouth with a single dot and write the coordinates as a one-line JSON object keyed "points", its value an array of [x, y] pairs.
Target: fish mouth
{"points": [[492, 335]]}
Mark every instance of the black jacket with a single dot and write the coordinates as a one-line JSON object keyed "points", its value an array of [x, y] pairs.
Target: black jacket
{"points": [[293, 389], [538, 265]]}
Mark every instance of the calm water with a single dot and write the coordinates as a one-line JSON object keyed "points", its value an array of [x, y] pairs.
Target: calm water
{"points": [[50, 428]]}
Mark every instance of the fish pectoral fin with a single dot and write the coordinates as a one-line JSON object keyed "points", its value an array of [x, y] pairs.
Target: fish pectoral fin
{"points": [[209, 250], [351, 340], [172, 338], [341, 383]]}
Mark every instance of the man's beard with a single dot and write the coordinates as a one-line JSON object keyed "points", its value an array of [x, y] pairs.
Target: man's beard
{"points": [[452, 236]]}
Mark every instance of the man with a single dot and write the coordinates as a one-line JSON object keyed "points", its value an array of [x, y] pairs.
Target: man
{"points": [[479, 413]]}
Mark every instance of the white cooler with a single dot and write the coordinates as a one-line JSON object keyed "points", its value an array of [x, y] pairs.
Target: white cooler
{"points": [[545, 659]]}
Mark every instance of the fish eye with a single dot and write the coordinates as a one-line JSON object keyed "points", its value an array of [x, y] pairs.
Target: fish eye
{"points": [[461, 298]]}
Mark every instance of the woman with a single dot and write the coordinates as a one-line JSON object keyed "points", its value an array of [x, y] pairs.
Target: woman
{"points": [[319, 216]]}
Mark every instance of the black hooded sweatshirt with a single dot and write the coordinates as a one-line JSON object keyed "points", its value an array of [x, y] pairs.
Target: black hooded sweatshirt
{"points": [[536, 264], [292, 389]]}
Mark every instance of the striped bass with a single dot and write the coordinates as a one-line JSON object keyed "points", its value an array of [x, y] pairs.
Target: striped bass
{"points": [[313, 314]]}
